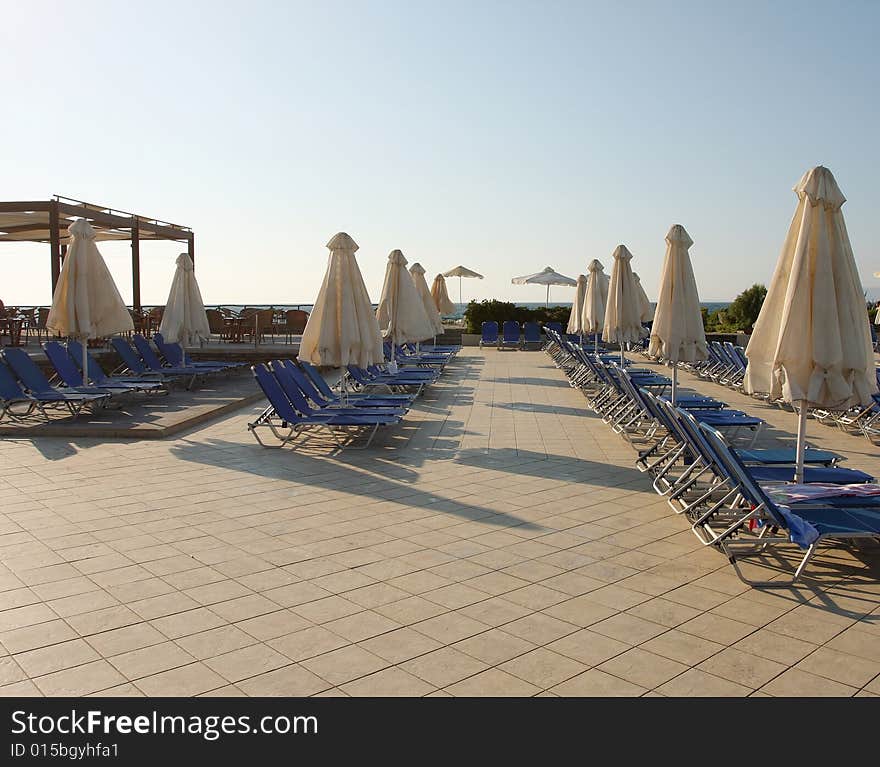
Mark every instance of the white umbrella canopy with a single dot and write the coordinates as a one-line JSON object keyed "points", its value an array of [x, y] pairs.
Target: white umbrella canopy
{"points": [[418, 275], [342, 328], [575, 320], [547, 276], [86, 303], [593, 313], [441, 296], [645, 302], [184, 319], [462, 271], [677, 333], [623, 312], [401, 314], [811, 344]]}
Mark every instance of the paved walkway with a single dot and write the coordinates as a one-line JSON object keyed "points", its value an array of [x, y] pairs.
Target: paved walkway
{"points": [[499, 543]]}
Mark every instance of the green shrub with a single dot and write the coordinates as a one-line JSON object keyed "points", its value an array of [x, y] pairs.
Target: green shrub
{"points": [[490, 309]]}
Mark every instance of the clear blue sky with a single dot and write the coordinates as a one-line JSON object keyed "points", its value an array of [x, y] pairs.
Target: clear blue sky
{"points": [[504, 136]]}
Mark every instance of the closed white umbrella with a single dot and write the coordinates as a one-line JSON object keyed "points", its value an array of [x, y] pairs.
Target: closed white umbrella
{"points": [[811, 344], [184, 319], [623, 313], [342, 328], [418, 275], [401, 315], [647, 312], [593, 313], [441, 296], [462, 271], [677, 333], [86, 303], [575, 320], [547, 276]]}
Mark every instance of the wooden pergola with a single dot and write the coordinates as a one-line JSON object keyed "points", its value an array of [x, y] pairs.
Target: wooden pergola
{"points": [[47, 221]]}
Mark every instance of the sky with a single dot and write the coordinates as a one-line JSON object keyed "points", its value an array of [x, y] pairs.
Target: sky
{"points": [[505, 136]]}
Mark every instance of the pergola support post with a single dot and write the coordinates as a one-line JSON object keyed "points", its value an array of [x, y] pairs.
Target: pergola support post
{"points": [[54, 244], [191, 249], [135, 265]]}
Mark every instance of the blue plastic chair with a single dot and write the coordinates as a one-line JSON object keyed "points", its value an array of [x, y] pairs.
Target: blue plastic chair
{"points": [[489, 333]]}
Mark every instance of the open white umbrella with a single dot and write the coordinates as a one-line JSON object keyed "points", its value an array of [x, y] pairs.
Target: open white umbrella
{"points": [[547, 276], [647, 312], [184, 319], [401, 314], [677, 333], [811, 344], [575, 321], [86, 303], [418, 275], [342, 328], [462, 271], [623, 313], [441, 296], [593, 313]]}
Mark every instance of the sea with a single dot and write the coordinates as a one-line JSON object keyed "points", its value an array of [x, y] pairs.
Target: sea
{"points": [[712, 306]]}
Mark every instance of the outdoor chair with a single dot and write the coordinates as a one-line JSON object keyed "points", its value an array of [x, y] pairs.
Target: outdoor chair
{"points": [[370, 402], [72, 377], [323, 387], [286, 422], [38, 385], [295, 323], [510, 332], [489, 331], [99, 377], [532, 336]]}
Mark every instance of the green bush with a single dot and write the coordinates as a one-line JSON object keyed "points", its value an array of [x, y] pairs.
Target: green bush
{"points": [[741, 315], [488, 310]]}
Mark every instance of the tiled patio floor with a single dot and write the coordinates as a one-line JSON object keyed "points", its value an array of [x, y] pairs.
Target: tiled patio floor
{"points": [[500, 543]]}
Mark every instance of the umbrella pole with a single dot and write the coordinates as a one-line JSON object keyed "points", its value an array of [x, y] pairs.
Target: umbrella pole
{"points": [[674, 381], [547, 305], [85, 362], [622, 358], [801, 442], [595, 342], [460, 302]]}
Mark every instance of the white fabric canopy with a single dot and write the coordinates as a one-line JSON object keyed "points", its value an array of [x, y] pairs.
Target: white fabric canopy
{"points": [[811, 343], [647, 311], [342, 328], [547, 276], [86, 303], [441, 296], [462, 271], [593, 314], [575, 320], [623, 312], [418, 275], [401, 315], [677, 333], [184, 319]]}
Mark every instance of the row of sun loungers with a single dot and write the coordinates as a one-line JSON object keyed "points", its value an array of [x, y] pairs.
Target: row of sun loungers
{"points": [[25, 390], [727, 365], [513, 335], [302, 403], [737, 499]]}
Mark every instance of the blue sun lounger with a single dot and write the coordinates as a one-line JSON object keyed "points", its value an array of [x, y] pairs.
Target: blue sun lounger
{"points": [[323, 387], [532, 336], [100, 378], [176, 357], [488, 333], [11, 395], [39, 387], [300, 391], [132, 362], [283, 414], [71, 376], [153, 363], [805, 524], [510, 331], [369, 402]]}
